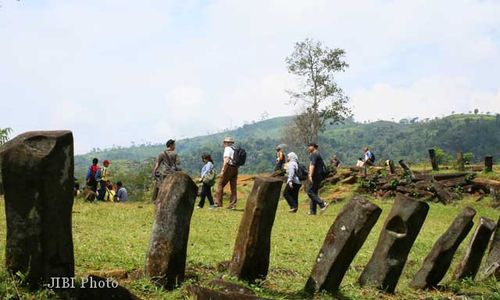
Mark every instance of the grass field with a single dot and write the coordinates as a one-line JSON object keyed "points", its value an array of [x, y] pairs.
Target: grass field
{"points": [[115, 237]]}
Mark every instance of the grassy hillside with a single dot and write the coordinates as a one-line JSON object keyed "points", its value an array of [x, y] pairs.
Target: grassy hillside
{"points": [[477, 134]]}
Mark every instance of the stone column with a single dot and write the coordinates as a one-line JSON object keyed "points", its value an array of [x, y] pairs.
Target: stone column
{"points": [[166, 257], [488, 163], [469, 265], [253, 244], [434, 163], [37, 173], [342, 242], [438, 261], [395, 241], [493, 261]]}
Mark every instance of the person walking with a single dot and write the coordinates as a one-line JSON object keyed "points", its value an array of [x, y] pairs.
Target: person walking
{"points": [[229, 174], [166, 164], [91, 175], [293, 183], [317, 172], [207, 181]]}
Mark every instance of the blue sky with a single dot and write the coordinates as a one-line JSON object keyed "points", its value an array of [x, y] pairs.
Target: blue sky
{"points": [[145, 71]]}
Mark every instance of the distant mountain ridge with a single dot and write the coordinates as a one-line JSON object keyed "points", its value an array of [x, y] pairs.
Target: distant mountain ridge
{"points": [[409, 140]]}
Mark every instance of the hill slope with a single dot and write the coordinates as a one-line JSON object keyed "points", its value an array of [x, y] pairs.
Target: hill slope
{"points": [[478, 134]]}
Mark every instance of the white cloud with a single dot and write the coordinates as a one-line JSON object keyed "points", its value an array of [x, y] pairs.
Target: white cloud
{"points": [[428, 97]]}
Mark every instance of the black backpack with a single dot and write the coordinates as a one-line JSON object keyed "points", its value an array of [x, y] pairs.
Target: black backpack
{"points": [[239, 157], [302, 172], [372, 158]]}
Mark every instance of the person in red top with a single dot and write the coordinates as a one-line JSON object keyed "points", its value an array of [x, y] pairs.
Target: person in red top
{"points": [[91, 175]]}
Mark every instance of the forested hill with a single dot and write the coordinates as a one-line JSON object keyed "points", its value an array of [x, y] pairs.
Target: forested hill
{"points": [[407, 139]]}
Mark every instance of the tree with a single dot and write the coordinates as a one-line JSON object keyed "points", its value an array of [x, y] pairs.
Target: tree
{"points": [[4, 135], [476, 111], [322, 100]]}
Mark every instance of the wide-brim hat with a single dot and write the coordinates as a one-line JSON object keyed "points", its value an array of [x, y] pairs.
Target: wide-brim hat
{"points": [[228, 140]]}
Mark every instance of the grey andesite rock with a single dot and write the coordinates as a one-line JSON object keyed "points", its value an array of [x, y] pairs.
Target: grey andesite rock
{"points": [[471, 262], [493, 260], [253, 244], [438, 261], [37, 174], [342, 242], [400, 230], [166, 257]]}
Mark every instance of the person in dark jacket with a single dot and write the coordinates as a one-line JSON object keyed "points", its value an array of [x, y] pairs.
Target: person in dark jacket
{"points": [[317, 172]]}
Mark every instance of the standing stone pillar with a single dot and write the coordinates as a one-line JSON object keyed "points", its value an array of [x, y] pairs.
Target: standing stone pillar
{"points": [[493, 261], [342, 242], [434, 163], [37, 173], [469, 265], [460, 161], [407, 169], [395, 241], [488, 163], [438, 261], [253, 244], [166, 257], [392, 169]]}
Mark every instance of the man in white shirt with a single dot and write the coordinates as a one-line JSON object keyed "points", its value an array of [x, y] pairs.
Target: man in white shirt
{"points": [[229, 174]]}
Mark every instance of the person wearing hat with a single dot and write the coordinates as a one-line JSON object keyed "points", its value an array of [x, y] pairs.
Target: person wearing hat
{"points": [[280, 159], [317, 172], [229, 174], [167, 163]]}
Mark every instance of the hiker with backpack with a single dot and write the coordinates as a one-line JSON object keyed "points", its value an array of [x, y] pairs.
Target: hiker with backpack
{"points": [[296, 173], [207, 180], [317, 173], [234, 157], [103, 178], [369, 157], [166, 164], [280, 159], [91, 175]]}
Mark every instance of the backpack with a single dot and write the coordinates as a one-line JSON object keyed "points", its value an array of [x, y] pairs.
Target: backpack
{"points": [[302, 172], [239, 157], [209, 178], [372, 157]]}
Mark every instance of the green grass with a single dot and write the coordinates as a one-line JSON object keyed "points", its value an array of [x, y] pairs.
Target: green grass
{"points": [[115, 236]]}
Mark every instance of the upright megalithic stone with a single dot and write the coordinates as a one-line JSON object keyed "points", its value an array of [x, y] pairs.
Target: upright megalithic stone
{"points": [[166, 257], [395, 241], [488, 163], [471, 262], [493, 260], [253, 244], [434, 162], [438, 261], [342, 242], [37, 173]]}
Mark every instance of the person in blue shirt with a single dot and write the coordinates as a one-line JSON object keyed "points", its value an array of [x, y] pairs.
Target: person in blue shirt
{"points": [[121, 193], [206, 188]]}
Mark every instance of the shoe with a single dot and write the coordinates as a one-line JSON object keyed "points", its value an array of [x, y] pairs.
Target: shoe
{"points": [[324, 207], [211, 207], [293, 210], [311, 213], [198, 207], [231, 207]]}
